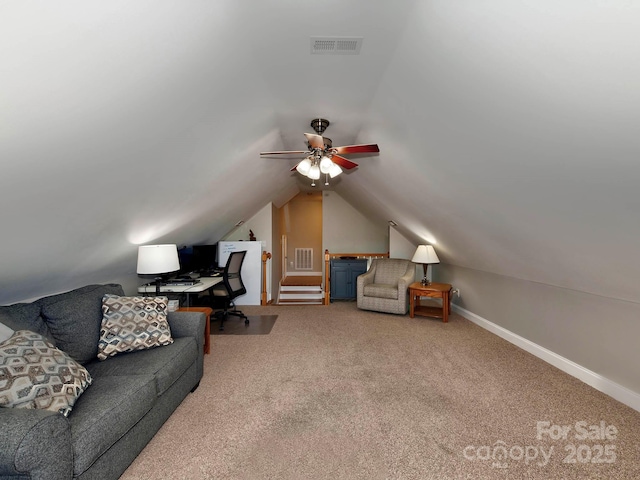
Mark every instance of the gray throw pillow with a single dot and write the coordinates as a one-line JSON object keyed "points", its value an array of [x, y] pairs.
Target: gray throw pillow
{"points": [[74, 319]]}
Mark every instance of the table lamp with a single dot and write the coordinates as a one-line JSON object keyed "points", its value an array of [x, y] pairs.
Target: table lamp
{"points": [[157, 260], [425, 254]]}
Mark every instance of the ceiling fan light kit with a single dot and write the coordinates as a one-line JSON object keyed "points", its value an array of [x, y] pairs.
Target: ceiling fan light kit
{"points": [[322, 157]]}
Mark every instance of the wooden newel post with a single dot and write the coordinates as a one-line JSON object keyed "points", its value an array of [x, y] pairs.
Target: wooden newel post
{"points": [[326, 277], [263, 298]]}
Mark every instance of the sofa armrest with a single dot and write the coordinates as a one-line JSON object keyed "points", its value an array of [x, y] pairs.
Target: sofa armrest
{"points": [[188, 324], [35, 443]]}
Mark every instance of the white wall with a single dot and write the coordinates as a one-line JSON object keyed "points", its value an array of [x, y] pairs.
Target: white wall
{"points": [[599, 334], [346, 230], [401, 247]]}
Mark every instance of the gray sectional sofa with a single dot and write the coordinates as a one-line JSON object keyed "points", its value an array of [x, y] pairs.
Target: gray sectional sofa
{"points": [[131, 395]]}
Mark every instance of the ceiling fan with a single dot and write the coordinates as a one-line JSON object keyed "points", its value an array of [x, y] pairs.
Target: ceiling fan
{"points": [[322, 157]]}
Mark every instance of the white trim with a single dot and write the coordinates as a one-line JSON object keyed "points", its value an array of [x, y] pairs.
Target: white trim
{"points": [[303, 274], [595, 380]]}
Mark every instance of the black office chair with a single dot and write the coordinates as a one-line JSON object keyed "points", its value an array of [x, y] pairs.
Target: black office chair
{"points": [[230, 288]]}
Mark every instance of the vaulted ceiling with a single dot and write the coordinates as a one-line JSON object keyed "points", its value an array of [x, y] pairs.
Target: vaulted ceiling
{"points": [[508, 130]]}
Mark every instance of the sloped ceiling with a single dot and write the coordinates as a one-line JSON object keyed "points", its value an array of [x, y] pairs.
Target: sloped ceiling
{"points": [[508, 130]]}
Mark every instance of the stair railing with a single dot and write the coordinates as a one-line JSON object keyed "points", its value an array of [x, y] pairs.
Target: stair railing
{"points": [[263, 297]]}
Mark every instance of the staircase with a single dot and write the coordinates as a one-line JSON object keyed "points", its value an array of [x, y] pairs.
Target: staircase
{"points": [[304, 290]]}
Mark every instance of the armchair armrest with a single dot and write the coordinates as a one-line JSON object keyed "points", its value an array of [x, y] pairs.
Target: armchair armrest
{"points": [[35, 443], [364, 279], [407, 279]]}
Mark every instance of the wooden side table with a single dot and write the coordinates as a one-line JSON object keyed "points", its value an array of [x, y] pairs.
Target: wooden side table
{"points": [[207, 326], [433, 290]]}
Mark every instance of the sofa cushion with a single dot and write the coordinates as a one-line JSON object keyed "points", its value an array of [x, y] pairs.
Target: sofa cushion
{"points": [[390, 270], [25, 316], [107, 411], [35, 374], [133, 323], [166, 363], [74, 319], [380, 290]]}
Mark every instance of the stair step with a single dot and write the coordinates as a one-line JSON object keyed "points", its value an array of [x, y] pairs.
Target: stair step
{"points": [[298, 293], [298, 280], [309, 294], [299, 301], [300, 288], [302, 299]]}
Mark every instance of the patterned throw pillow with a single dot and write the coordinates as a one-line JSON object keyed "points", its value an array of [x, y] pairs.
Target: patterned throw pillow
{"points": [[35, 374], [132, 323]]}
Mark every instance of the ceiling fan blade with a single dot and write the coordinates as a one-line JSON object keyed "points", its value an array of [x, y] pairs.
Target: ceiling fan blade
{"points": [[372, 148], [297, 152], [315, 141], [343, 162]]}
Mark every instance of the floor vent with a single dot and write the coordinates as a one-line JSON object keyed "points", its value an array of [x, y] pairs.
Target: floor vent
{"points": [[336, 45], [304, 259]]}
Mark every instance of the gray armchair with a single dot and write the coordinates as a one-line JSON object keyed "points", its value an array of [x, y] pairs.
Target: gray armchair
{"points": [[383, 288]]}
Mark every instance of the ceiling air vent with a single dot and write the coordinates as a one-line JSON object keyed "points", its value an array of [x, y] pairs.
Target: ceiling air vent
{"points": [[336, 45]]}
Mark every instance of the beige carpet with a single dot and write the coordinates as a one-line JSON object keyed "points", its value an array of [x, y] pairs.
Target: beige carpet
{"points": [[337, 393]]}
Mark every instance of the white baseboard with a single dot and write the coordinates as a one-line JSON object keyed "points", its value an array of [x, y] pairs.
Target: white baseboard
{"points": [[603, 384]]}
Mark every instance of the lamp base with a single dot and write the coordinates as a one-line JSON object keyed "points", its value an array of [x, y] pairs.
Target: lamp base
{"points": [[158, 285], [425, 281]]}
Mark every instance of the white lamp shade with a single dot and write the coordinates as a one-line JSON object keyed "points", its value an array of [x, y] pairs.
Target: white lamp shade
{"points": [[304, 166], [335, 170], [425, 254], [314, 172], [157, 259], [325, 164]]}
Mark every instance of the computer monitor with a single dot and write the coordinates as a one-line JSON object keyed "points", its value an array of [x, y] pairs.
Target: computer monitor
{"points": [[197, 259], [205, 257]]}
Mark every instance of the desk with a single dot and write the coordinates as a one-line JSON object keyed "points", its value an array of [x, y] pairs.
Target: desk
{"points": [[204, 284], [207, 327], [434, 290]]}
